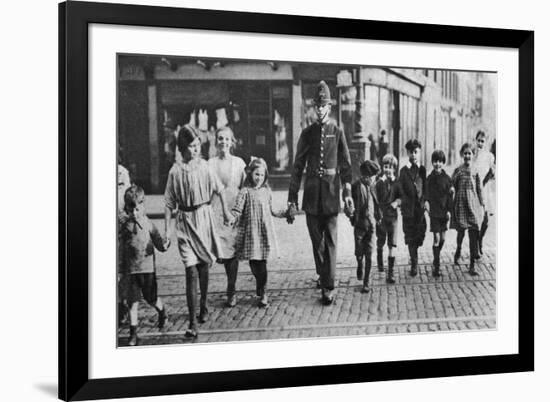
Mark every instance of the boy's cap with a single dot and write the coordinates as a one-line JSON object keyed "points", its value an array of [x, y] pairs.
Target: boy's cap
{"points": [[369, 168]]}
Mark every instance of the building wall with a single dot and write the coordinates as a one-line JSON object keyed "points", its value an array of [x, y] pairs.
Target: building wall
{"points": [[274, 102]]}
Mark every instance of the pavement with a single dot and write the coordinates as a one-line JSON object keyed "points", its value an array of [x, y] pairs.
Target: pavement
{"points": [[454, 302]]}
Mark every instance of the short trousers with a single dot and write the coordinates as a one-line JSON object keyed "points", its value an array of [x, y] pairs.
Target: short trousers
{"points": [[364, 241], [133, 286], [386, 231], [438, 225]]}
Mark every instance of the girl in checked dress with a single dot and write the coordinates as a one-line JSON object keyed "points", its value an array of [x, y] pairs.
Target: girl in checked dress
{"points": [[468, 209], [256, 239]]}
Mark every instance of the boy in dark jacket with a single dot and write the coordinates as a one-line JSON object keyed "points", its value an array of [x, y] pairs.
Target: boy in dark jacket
{"points": [[362, 219], [439, 197], [138, 237], [386, 214], [411, 193]]}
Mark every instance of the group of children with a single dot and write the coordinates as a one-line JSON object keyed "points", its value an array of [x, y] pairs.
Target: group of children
{"points": [[456, 200], [191, 186], [377, 197]]}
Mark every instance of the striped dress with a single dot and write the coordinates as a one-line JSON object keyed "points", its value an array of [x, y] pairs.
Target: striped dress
{"points": [[191, 186]]}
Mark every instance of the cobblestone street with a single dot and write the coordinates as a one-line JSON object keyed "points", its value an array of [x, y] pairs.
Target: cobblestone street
{"points": [[456, 301]]}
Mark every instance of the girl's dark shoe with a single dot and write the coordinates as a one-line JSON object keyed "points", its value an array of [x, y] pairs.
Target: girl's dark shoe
{"points": [[133, 339]]}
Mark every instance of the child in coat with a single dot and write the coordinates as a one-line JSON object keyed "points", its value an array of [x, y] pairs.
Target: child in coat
{"points": [[386, 215], [363, 221], [256, 240], [468, 209], [411, 191], [138, 237], [439, 196]]}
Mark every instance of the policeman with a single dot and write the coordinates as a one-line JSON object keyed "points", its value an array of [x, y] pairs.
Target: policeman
{"points": [[323, 152]]}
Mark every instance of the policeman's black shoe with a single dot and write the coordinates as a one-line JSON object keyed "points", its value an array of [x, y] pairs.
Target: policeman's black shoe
{"points": [[191, 332], [414, 270], [365, 288], [327, 298], [203, 315], [436, 273], [263, 301], [231, 301]]}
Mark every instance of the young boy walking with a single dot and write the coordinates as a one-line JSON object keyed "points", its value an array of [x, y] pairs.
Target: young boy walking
{"points": [[362, 219], [138, 238], [411, 193], [386, 215], [439, 197]]}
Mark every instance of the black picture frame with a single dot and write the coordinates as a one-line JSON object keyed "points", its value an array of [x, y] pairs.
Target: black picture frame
{"points": [[74, 18]]}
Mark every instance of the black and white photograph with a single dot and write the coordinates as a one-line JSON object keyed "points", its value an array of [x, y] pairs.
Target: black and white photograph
{"points": [[276, 199]]}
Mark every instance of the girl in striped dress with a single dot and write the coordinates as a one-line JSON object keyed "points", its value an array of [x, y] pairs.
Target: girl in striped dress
{"points": [[468, 206], [256, 239], [190, 187]]}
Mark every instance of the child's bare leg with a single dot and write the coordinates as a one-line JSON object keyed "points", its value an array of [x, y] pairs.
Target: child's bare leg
{"points": [[134, 314], [132, 340], [459, 239]]}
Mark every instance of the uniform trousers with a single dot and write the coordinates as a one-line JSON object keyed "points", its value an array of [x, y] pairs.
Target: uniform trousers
{"points": [[323, 232]]}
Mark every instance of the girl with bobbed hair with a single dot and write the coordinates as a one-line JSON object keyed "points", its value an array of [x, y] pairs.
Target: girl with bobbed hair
{"points": [[189, 190]]}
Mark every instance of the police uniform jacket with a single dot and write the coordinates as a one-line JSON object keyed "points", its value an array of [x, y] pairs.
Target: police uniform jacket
{"points": [[323, 152]]}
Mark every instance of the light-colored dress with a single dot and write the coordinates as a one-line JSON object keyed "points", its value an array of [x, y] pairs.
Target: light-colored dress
{"points": [[484, 162], [468, 202], [190, 188], [123, 185], [230, 172], [256, 238]]}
